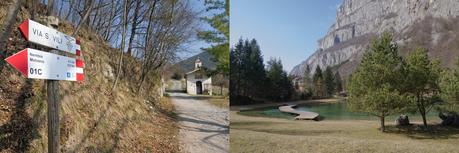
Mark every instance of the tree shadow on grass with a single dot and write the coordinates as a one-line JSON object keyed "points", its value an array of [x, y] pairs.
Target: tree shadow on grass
{"points": [[416, 131], [20, 130]]}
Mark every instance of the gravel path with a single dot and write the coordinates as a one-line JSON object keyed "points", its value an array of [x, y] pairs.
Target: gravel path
{"points": [[204, 127]]}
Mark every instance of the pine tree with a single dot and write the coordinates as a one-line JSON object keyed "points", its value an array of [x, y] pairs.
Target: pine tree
{"points": [[338, 82], [421, 81], [256, 70], [307, 81], [329, 81], [318, 81], [247, 70], [235, 68], [219, 36], [374, 87], [449, 85], [280, 85]]}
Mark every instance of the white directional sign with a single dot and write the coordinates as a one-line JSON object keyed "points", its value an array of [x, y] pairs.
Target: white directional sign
{"points": [[49, 37], [43, 65]]}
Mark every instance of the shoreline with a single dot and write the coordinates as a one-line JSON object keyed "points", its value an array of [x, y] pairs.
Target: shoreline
{"points": [[254, 106]]}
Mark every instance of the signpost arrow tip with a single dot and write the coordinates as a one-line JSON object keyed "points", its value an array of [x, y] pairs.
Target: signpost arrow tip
{"points": [[19, 61], [24, 28]]}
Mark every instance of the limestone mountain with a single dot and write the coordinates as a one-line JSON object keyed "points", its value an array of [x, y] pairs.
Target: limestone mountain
{"points": [[431, 24]]}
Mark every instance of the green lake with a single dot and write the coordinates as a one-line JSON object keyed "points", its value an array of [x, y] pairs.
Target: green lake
{"points": [[330, 111]]}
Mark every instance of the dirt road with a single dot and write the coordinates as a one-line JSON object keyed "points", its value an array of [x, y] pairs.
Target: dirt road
{"points": [[204, 127]]}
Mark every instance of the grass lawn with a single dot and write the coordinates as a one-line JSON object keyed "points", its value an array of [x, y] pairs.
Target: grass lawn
{"points": [[219, 102], [262, 134]]}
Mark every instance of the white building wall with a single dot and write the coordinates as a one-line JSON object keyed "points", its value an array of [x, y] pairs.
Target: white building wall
{"points": [[191, 84]]}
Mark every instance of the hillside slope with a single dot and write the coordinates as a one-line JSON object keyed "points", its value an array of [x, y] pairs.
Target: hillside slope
{"points": [[93, 117], [424, 23], [187, 65]]}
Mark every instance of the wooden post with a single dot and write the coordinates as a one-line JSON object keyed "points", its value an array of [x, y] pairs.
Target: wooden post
{"points": [[53, 115], [52, 93]]}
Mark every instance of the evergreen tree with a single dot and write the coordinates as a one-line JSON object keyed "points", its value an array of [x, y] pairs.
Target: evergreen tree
{"points": [[235, 68], [280, 85], [307, 81], [329, 81], [247, 70], [219, 35], [256, 70], [338, 82], [421, 81], [449, 85], [374, 87], [318, 82]]}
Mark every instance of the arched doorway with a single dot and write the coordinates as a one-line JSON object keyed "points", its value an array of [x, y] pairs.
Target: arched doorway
{"points": [[198, 87]]}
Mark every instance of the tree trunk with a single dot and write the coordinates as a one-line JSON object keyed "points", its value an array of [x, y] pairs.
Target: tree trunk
{"points": [[61, 5], [96, 15], [34, 6], [383, 128], [134, 26], [422, 109], [424, 121], [123, 38], [84, 18], [50, 8], [112, 16], [74, 15], [71, 3]]}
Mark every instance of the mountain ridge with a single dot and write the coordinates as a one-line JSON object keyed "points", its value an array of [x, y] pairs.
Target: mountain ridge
{"points": [[421, 23], [187, 64]]}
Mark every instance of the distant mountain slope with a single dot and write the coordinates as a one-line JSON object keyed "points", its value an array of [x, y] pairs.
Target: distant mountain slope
{"points": [[432, 24], [187, 65]]}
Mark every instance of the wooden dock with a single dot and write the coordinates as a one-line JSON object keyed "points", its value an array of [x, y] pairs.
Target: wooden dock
{"points": [[302, 115]]}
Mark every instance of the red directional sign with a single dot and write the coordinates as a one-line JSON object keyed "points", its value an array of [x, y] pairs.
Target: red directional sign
{"points": [[37, 64], [49, 37]]}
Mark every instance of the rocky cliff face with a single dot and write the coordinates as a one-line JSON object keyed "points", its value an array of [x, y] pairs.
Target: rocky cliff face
{"points": [[425, 23]]}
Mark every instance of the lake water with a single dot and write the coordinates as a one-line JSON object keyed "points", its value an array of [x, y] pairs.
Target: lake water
{"points": [[329, 111]]}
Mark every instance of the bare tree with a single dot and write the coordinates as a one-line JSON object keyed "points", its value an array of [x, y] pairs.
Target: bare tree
{"points": [[134, 25], [169, 28], [71, 5], [85, 15], [123, 37], [50, 8]]}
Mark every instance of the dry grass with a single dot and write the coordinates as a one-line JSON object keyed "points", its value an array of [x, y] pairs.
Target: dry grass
{"points": [[260, 134], [221, 102]]}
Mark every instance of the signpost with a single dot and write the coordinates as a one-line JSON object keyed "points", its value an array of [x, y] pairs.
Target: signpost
{"points": [[36, 64], [49, 37]]}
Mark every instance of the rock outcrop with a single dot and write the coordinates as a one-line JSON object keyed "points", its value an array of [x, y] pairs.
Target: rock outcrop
{"points": [[402, 120], [425, 23], [449, 119]]}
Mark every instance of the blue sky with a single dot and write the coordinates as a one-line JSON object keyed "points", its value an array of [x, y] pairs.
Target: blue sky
{"points": [[195, 47], [285, 29]]}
